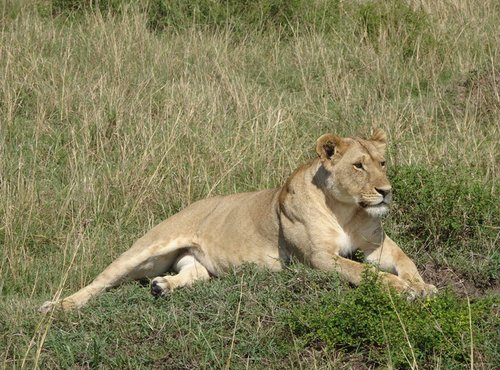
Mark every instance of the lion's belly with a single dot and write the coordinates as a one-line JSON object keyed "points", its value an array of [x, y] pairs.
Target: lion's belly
{"points": [[234, 245], [239, 228], [222, 258]]}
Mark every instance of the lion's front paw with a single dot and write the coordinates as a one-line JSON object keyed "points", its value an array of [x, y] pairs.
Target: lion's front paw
{"points": [[397, 283], [424, 290]]}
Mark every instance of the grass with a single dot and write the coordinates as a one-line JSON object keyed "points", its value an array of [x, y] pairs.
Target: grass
{"points": [[395, 332], [111, 121]]}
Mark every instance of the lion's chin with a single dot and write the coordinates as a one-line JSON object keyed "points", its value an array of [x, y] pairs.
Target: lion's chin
{"points": [[377, 210]]}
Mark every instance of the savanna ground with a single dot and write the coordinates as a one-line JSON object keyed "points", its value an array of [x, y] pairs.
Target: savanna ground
{"points": [[115, 115]]}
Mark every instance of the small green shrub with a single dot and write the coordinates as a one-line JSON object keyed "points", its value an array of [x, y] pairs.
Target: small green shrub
{"points": [[446, 207], [450, 212], [388, 329]]}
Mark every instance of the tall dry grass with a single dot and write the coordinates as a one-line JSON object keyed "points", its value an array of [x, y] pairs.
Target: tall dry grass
{"points": [[107, 128]]}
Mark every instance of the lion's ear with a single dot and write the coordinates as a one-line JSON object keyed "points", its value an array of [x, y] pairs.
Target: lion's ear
{"points": [[326, 146], [379, 138]]}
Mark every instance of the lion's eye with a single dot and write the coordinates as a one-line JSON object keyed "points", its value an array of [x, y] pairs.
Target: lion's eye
{"points": [[358, 165], [382, 163]]}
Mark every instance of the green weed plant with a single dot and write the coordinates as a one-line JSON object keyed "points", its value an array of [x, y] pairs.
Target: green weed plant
{"points": [[390, 330]]}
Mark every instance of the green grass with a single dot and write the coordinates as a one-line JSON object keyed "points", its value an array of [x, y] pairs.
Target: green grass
{"points": [[450, 209], [295, 318], [114, 117], [388, 330]]}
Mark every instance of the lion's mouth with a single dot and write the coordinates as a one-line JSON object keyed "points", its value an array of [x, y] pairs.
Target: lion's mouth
{"points": [[367, 205], [376, 210]]}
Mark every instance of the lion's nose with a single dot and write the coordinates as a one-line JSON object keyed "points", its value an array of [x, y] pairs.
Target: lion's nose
{"points": [[384, 191]]}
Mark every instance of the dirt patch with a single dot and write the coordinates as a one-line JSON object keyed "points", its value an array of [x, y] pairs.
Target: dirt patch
{"points": [[444, 277]]}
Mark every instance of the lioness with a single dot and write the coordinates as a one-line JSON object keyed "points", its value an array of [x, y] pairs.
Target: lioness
{"points": [[327, 209]]}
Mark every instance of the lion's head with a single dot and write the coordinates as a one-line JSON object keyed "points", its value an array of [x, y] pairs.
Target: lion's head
{"points": [[357, 171]]}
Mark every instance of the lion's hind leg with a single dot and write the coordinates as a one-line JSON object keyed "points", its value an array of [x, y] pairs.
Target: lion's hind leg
{"points": [[139, 262], [188, 271]]}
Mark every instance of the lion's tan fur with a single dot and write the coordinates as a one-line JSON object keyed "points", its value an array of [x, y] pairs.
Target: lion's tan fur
{"points": [[327, 209]]}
